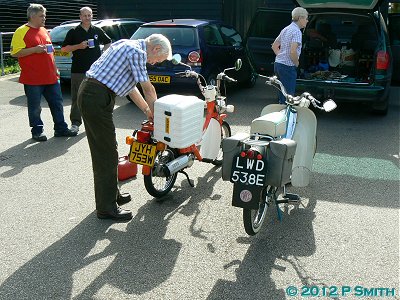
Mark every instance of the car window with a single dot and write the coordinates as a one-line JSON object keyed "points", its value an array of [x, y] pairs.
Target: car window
{"points": [[178, 36], [128, 29], [266, 24], [112, 31], [230, 36], [212, 35], [57, 34]]}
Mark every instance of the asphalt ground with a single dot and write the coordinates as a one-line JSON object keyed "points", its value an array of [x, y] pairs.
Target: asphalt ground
{"points": [[341, 243]]}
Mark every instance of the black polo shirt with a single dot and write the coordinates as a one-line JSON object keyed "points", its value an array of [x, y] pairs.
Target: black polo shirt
{"points": [[82, 59]]}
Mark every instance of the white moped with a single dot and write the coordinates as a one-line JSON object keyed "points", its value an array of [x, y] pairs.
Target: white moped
{"points": [[279, 150]]}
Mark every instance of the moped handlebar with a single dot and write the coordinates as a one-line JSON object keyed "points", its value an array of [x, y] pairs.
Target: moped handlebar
{"points": [[302, 100]]}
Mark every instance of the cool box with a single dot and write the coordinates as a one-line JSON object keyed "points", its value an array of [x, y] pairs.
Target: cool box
{"points": [[178, 120]]}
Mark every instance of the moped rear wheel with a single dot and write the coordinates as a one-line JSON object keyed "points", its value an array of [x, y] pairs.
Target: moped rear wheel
{"points": [[225, 132], [254, 218], [157, 184]]}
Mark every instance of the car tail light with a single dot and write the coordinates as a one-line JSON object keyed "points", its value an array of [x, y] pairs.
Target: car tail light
{"points": [[143, 136], [195, 59], [382, 60]]}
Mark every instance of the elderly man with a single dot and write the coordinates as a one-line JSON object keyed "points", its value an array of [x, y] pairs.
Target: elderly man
{"points": [[287, 48], [84, 55], [116, 72], [31, 44]]}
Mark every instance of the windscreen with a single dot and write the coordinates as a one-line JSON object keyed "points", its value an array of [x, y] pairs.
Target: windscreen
{"points": [[58, 34], [178, 36]]}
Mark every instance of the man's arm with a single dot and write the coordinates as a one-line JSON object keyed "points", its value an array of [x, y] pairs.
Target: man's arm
{"points": [[293, 53], [71, 48], [276, 46], [140, 102], [149, 93], [29, 51]]}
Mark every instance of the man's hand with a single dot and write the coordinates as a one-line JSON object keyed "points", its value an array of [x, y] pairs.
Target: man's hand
{"points": [[40, 49], [83, 45]]}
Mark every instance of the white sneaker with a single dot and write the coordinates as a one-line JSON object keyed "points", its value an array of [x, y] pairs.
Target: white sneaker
{"points": [[74, 128]]}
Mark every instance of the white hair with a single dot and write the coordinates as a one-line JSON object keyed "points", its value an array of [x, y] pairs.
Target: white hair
{"points": [[163, 42], [34, 9], [299, 12], [85, 8]]}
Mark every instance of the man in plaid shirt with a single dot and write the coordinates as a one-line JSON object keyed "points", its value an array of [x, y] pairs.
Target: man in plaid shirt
{"points": [[116, 72]]}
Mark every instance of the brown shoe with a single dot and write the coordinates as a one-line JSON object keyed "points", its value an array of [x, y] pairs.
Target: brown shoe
{"points": [[118, 214], [123, 198]]}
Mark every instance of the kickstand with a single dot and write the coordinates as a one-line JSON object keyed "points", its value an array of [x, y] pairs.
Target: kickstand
{"points": [[191, 182]]}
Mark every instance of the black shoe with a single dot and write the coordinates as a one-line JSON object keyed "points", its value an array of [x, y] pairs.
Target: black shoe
{"points": [[66, 132], [41, 137], [118, 214], [123, 198]]}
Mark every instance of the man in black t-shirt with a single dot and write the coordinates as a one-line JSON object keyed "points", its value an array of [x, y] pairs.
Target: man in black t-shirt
{"points": [[84, 41]]}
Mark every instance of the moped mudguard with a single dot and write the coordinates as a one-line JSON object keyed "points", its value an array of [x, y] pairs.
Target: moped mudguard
{"points": [[305, 136], [210, 141]]}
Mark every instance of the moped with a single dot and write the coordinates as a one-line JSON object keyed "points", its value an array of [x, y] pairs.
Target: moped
{"points": [[279, 150], [185, 129]]}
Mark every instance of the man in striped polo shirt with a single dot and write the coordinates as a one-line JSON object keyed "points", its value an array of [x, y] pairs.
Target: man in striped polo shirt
{"points": [[287, 48]]}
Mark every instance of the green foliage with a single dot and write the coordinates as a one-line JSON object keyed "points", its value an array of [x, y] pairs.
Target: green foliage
{"points": [[11, 65]]}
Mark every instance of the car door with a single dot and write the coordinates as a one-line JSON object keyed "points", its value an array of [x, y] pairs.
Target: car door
{"points": [[265, 26], [235, 50], [394, 35], [214, 51]]}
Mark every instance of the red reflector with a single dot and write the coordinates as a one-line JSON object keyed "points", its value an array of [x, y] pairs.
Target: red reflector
{"points": [[382, 60], [194, 57], [243, 154], [259, 156], [143, 136], [250, 154]]}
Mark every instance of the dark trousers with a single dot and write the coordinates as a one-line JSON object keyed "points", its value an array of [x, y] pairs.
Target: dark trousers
{"points": [[96, 104], [75, 115]]}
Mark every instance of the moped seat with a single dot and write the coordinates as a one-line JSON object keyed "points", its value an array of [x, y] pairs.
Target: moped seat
{"points": [[273, 124]]}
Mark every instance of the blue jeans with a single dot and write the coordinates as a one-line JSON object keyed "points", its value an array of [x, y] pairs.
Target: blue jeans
{"points": [[52, 94], [287, 75]]}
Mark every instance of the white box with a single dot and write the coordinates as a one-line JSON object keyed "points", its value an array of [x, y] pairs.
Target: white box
{"points": [[178, 120]]}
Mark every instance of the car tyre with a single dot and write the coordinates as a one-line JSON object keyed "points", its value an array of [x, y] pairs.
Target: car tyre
{"points": [[381, 109], [249, 83]]}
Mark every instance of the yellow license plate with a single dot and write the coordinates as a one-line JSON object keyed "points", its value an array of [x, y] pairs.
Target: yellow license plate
{"points": [[160, 79], [60, 53], [142, 154]]}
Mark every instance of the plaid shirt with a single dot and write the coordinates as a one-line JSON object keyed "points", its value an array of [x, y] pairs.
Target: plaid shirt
{"points": [[122, 66], [289, 34]]}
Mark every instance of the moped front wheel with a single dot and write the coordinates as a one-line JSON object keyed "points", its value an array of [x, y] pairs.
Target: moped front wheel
{"points": [[157, 183], [225, 132], [254, 218]]}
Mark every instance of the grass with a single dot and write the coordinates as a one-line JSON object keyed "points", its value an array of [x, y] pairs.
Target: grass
{"points": [[11, 66]]}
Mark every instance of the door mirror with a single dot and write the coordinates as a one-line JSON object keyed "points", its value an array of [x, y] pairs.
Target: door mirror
{"points": [[238, 64], [329, 105], [176, 59]]}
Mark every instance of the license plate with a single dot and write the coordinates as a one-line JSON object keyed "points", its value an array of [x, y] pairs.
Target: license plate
{"points": [[248, 171], [60, 53], [142, 154], [160, 79]]}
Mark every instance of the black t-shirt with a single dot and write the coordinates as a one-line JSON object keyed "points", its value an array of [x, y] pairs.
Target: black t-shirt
{"points": [[82, 59]]}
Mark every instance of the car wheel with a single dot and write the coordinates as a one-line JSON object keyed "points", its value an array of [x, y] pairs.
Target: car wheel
{"points": [[381, 108], [250, 82]]}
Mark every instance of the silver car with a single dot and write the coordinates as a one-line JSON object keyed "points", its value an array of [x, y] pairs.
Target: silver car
{"points": [[116, 29]]}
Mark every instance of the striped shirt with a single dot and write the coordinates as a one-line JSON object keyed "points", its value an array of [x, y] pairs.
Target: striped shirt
{"points": [[290, 34], [122, 66]]}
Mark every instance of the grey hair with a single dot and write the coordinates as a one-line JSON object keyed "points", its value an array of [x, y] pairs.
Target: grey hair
{"points": [[34, 9], [85, 8], [299, 12], [159, 39]]}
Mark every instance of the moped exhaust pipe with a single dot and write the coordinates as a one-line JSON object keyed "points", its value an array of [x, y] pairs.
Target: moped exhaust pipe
{"points": [[178, 164]]}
